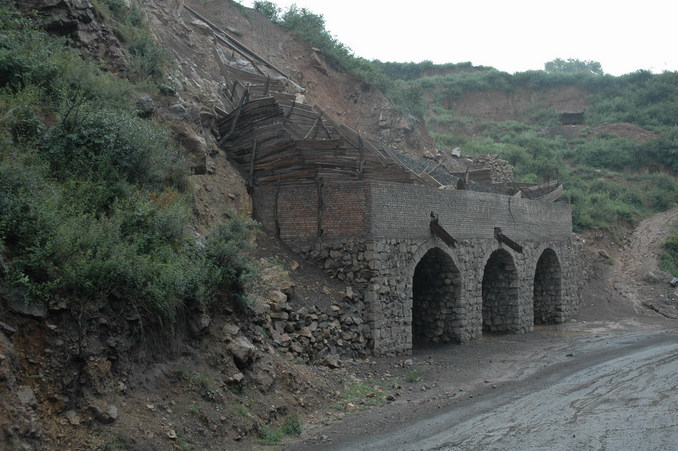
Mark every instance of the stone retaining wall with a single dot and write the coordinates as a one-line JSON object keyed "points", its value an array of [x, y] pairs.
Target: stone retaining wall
{"points": [[479, 285], [314, 334], [413, 287]]}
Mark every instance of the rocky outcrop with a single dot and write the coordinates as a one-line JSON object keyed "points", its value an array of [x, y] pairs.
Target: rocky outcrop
{"points": [[79, 21], [19, 422], [405, 132]]}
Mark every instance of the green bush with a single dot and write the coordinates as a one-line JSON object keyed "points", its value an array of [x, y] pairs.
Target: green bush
{"points": [[271, 435], [607, 152], [113, 144], [93, 202], [268, 9], [147, 56], [668, 258], [230, 267], [26, 56]]}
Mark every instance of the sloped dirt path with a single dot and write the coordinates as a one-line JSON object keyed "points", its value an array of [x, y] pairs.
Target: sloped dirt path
{"points": [[636, 274]]}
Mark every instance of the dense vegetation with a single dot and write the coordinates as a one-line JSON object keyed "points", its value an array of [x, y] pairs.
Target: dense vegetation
{"points": [[94, 205], [609, 178]]}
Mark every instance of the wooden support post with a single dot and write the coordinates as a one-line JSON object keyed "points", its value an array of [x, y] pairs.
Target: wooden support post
{"points": [[245, 97], [507, 241], [315, 126], [252, 158], [440, 232], [321, 206], [275, 210], [289, 113]]}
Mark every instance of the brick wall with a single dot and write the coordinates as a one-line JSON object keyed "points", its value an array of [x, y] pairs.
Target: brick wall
{"points": [[395, 210], [400, 211], [303, 211]]}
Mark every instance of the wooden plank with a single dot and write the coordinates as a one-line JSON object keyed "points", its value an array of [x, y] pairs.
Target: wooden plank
{"points": [[553, 195], [428, 177], [438, 230], [507, 241], [234, 43]]}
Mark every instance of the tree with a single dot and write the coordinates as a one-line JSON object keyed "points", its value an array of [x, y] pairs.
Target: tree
{"points": [[573, 65], [268, 9]]}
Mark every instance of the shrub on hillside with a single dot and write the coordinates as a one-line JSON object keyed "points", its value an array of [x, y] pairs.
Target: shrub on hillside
{"points": [[668, 258], [115, 145], [93, 202]]}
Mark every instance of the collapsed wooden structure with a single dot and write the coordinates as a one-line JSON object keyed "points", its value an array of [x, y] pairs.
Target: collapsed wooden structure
{"points": [[274, 137]]}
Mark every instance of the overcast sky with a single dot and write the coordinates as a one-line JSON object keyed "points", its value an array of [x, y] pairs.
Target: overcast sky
{"points": [[512, 36]]}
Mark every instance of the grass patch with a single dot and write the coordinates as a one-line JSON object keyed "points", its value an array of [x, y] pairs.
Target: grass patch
{"points": [[366, 394], [414, 375], [668, 258], [270, 435], [241, 411]]}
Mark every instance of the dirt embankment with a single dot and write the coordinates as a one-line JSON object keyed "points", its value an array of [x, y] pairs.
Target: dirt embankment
{"points": [[503, 106], [636, 272]]}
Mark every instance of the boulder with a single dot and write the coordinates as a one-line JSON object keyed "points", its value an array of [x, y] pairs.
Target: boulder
{"points": [[242, 350], [104, 414], [263, 373]]}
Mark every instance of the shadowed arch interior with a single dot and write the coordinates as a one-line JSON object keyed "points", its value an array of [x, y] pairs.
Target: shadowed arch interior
{"points": [[547, 289], [436, 293], [500, 293]]}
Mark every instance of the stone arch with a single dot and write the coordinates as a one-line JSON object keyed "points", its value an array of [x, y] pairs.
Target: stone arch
{"points": [[436, 299], [547, 299], [500, 294]]}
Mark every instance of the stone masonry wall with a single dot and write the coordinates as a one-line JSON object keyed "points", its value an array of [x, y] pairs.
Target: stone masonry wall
{"points": [[390, 291], [385, 235]]}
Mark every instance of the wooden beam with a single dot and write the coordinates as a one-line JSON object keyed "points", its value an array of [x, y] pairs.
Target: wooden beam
{"points": [[507, 241], [440, 232], [252, 159], [236, 45]]}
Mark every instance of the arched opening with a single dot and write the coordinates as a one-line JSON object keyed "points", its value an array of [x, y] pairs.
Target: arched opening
{"points": [[436, 293], [500, 293], [547, 286]]}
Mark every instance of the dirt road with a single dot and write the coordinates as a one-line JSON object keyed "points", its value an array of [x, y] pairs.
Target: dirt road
{"points": [[617, 392], [636, 273]]}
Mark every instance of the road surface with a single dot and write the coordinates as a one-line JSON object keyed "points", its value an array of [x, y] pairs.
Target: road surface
{"points": [[613, 393]]}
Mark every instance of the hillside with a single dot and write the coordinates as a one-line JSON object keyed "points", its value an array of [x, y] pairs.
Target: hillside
{"points": [[610, 140], [140, 309]]}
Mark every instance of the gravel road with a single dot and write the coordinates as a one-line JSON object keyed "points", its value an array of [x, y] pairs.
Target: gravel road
{"points": [[623, 395], [615, 391]]}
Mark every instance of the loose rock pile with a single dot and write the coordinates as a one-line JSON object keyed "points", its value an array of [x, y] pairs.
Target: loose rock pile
{"points": [[501, 171], [314, 334]]}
